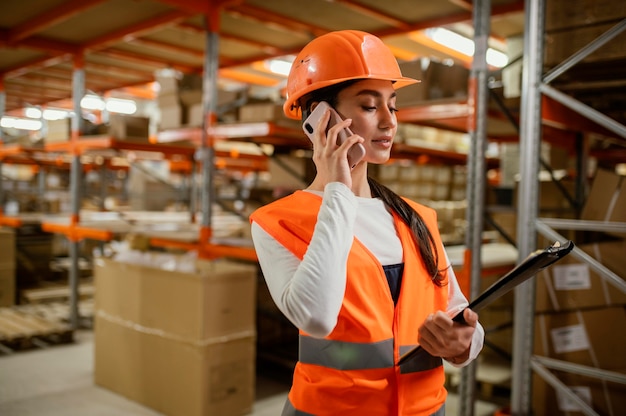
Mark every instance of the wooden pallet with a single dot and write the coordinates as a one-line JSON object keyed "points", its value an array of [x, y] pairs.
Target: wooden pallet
{"points": [[56, 293], [34, 326]]}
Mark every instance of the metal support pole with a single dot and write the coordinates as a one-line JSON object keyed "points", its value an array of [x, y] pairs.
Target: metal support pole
{"points": [[209, 105], [530, 141], [477, 128], [78, 91], [73, 283]]}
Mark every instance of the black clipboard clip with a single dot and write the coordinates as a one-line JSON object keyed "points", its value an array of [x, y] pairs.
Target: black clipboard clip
{"points": [[533, 264]]}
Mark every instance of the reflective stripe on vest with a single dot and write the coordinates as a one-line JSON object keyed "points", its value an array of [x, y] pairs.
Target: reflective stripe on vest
{"points": [[342, 355]]}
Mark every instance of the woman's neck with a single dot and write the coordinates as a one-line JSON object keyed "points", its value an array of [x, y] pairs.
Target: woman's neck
{"points": [[360, 186]]}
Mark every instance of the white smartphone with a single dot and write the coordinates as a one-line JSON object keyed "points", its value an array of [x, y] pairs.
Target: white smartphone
{"points": [[355, 153]]}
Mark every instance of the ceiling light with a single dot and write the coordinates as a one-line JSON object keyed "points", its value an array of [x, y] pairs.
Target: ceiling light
{"points": [[20, 123], [92, 102], [48, 113], [118, 105], [465, 45], [55, 114], [32, 112], [279, 66]]}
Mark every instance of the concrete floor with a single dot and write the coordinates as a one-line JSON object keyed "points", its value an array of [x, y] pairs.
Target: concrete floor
{"points": [[58, 381]]}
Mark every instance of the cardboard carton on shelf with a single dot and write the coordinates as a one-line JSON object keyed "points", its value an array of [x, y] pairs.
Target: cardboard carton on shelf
{"points": [[130, 128], [573, 284], [604, 397], [607, 199], [591, 337]]}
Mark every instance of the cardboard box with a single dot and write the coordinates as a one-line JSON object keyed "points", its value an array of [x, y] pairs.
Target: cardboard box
{"points": [[561, 45], [175, 377], [266, 112], [607, 199], [58, 130], [182, 343], [415, 93], [7, 286], [593, 337], [123, 127], [561, 14], [7, 248], [572, 284], [606, 398]]}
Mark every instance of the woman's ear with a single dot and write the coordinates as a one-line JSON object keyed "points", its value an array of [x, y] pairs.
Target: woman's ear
{"points": [[308, 109]]}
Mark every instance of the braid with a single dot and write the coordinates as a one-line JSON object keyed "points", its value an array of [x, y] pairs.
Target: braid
{"points": [[421, 235]]}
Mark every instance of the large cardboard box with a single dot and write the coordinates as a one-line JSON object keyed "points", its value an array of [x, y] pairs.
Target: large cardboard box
{"points": [[573, 284], [607, 199], [7, 285], [593, 337], [7, 247], [266, 112], [58, 130], [562, 14], [182, 343], [562, 44], [131, 128], [604, 397]]}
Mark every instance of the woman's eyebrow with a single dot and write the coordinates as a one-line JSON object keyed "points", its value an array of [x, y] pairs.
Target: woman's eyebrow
{"points": [[374, 93]]}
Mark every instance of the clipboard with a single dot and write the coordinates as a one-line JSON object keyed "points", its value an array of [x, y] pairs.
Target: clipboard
{"points": [[534, 263]]}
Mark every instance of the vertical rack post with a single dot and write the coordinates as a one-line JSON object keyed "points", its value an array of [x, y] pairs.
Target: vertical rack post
{"points": [[528, 202], [209, 107], [78, 91], [477, 128]]}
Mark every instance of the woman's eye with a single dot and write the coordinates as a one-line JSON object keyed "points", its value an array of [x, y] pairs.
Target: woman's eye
{"points": [[368, 108], [393, 110]]}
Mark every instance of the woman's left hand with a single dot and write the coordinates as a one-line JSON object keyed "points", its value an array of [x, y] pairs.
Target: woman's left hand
{"points": [[440, 336]]}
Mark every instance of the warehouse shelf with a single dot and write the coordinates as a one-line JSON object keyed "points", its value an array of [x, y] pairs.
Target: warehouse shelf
{"points": [[558, 124], [529, 225]]}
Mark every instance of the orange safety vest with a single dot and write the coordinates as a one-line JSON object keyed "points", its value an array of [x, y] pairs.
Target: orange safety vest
{"points": [[353, 370]]}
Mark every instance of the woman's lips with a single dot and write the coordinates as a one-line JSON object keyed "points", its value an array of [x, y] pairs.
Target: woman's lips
{"points": [[383, 142]]}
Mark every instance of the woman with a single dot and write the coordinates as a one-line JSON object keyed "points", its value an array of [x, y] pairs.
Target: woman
{"points": [[360, 271]]}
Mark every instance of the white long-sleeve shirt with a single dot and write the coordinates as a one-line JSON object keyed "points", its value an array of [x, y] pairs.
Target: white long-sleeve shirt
{"points": [[310, 292]]}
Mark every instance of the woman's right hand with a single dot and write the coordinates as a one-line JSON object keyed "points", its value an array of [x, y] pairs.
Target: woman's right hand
{"points": [[330, 159]]}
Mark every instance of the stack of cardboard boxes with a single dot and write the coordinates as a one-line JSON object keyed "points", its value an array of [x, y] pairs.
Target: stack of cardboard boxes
{"points": [[119, 126], [180, 342], [580, 316]]}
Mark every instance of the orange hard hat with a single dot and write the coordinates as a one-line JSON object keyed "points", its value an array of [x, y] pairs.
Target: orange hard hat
{"points": [[337, 57]]}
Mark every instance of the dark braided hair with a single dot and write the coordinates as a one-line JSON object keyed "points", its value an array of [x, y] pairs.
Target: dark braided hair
{"points": [[422, 236]]}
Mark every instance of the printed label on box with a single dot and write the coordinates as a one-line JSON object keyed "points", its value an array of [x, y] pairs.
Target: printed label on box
{"points": [[568, 405], [570, 338], [572, 277]]}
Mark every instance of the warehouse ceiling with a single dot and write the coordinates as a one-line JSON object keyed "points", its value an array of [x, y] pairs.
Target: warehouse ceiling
{"points": [[122, 44]]}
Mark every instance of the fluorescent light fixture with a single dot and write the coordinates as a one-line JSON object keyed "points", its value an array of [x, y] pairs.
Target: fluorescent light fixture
{"points": [[465, 45], [113, 105], [55, 114], [92, 102], [119, 105], [20, 123], [32, 112], [279, 66], [48, 113], [496, 58]]}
